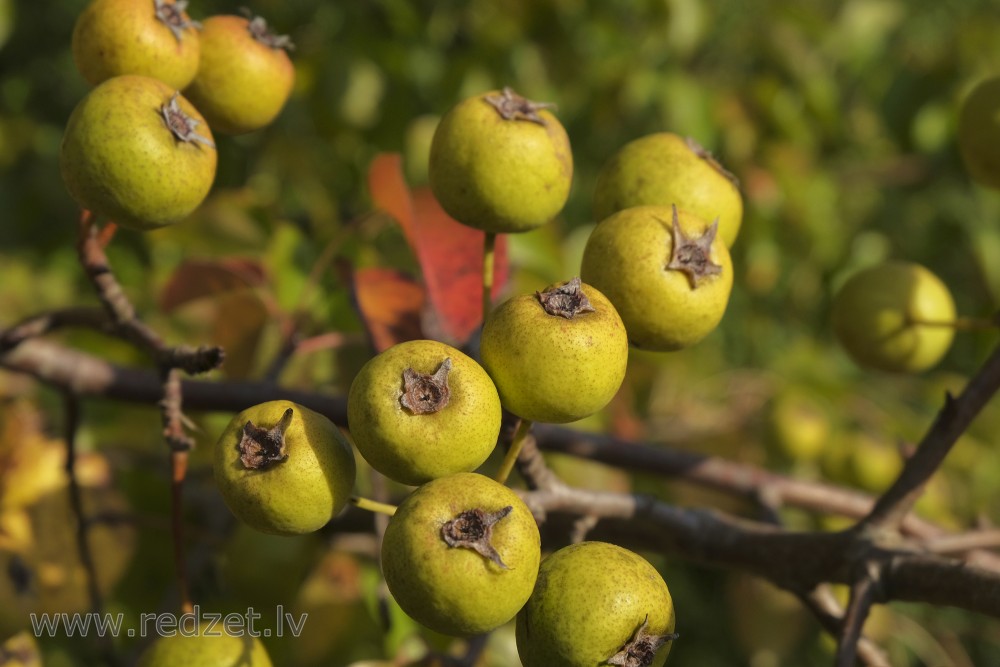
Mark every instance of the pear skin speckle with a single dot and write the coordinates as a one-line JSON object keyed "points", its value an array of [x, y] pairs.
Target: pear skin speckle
{"points": [[664, 169], [550, 368], [414, 448], [590, 599], [303, 491], [500, 172], [628, 257], [451, 589], [119, 158]]}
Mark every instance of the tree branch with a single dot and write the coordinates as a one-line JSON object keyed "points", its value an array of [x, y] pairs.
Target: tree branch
{"points": [[860, 603], [951, 422], [830, 615], [89, 376]]}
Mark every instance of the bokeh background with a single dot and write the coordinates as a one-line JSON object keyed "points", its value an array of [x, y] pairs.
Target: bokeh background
{"points": [[838, 118]]}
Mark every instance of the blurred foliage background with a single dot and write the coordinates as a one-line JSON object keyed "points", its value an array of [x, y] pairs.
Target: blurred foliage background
{"points": [[838, 118]]}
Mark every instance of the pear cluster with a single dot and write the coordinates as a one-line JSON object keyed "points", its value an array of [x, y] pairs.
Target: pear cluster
{"points": [[138, 151], [462, 553]]}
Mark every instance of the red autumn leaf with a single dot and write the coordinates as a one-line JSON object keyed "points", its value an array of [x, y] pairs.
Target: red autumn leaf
{"points": [[197, 278], [450, 254], [390, 303], [451, 257]]}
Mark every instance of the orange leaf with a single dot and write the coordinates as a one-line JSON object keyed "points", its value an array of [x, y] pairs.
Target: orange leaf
{"points": [[389, 191], [390, 303], [196, 278]]}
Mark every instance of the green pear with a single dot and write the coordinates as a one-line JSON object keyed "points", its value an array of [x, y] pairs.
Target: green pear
{"points": [[205, 650], [153, 38], [553, 364], [137, 152], [461, 554], [666, 271], [596, 603], [664, 169], [501, 163], [283, 468], [422, 410], [896, 316]]}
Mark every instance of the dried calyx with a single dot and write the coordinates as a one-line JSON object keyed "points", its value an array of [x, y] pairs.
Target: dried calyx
{"points": [[182, 125], [512, 106], [426, 394], [710, 159], [473, 529], [566, 300], [171, 14], [263, 447], [262, 33], [693, 256], [641, 649]]}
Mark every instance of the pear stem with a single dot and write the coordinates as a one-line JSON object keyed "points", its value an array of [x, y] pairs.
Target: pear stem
{"points": [[959, 323], [523, 427], [373, 505], [489, 243]]}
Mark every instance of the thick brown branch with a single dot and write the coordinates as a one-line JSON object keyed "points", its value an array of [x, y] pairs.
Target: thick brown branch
{"points": [[90, 376], [942, 581], [716, 473], [794, 561]]}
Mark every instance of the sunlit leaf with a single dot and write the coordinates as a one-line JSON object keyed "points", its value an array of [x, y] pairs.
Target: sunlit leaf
{"points": [[239, 321], [390, 193], [195, 279], [450, 254], [390, 304]]}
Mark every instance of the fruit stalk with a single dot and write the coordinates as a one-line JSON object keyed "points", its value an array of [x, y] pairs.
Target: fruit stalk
{"points": [[178, 464], [960, 323], [489, 244], [523, 428], [373, 505]]}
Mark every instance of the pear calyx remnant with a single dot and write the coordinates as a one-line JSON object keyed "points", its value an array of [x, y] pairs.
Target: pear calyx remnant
{"points": [[692, 256], [473, 529], [641, 649], [263, 447], [566, 300], [512, 106], [426, 394]]}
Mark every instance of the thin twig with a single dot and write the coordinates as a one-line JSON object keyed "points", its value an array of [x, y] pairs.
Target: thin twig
{"points": [[827, 610], [951, 422], [39, 325], [532, 467], [860, 603], [71, 406], [792, 560], [964, 542], [169, 360], [178, 470], [291, 335]]}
